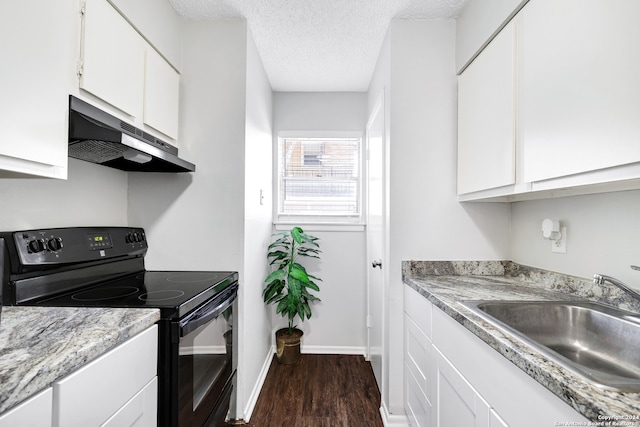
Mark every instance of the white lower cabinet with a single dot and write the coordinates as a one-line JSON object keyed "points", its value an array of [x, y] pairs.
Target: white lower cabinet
{"points": [[419, 361], [141, 410], [458, 403], [34, 412], [117, 389], [419, 365], [452, 378]]}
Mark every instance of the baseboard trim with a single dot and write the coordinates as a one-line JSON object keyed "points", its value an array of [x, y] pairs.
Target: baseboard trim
{"points": [[255, 393], [390, 420], [323, 349]]}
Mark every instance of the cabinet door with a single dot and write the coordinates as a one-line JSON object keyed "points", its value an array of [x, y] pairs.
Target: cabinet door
{"points": [[458, 403], [161, 93], [579, 86], [486, 128], [39, 55], [35, 412], [113, 58], [97, 391]]}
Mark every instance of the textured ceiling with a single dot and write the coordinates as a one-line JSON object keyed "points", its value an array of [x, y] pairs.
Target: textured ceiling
{"points": [[318, 45]]}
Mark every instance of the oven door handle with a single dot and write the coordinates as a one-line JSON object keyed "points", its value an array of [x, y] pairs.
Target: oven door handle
{"points": [[207, 313]]}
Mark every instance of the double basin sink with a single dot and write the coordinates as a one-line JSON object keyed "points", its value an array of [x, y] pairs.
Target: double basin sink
{"points": [[597, 342]]}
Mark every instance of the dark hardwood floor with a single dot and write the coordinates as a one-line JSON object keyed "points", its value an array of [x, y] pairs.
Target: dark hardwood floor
{"points": [[321, 391]]}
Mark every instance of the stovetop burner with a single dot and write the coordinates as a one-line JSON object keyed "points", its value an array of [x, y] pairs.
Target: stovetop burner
{"points": [[101, 294], [161, 295], [191, 277]]}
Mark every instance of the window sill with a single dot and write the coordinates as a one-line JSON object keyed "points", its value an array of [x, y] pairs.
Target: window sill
{"points": [[317, 226]]}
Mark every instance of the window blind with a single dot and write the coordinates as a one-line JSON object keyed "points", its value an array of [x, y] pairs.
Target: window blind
{"points": [[319, 176]]}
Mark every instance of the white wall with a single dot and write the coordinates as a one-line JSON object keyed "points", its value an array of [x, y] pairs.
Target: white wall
{"points": [[603, 235], [212, 219], [92, 195], [255, 324], [195, 221], [425, 219], [338, 321]]}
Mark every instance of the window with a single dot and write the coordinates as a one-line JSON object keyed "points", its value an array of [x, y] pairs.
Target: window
{"points": [[319, 179]]}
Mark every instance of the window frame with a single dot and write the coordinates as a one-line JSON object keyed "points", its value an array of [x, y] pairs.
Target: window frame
{"points": [[320, 221]]}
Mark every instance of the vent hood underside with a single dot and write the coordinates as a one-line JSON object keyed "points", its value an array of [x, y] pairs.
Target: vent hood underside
{"points": [[98, 137]]}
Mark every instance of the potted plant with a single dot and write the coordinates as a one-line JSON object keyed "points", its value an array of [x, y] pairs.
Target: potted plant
{"points": [[289, 287]]}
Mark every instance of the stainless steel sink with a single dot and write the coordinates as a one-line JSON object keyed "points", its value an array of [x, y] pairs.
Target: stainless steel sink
{"points": [[595, 341]]}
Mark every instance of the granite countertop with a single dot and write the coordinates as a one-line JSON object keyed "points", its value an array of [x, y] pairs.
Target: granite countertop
{"points": [[447, 283], [39, 345]]}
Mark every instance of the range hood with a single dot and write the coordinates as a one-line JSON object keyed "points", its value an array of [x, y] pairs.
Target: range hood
{"points": [[98, 137]]}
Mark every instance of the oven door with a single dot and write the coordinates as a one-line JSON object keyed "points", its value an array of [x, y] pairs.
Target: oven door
{"points": [[206, 362]]}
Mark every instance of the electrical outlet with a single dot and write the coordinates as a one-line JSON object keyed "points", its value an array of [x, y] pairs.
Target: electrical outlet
{"points": [[560, 246]]}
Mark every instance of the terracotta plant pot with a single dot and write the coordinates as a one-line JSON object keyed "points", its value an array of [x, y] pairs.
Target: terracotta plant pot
{"points": [[288, 346]]}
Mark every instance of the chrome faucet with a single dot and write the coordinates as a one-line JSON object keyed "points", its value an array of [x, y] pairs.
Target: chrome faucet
{"points": [[599, 279]]}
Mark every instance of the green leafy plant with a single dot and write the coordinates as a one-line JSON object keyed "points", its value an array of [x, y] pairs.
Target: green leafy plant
{"points": [[289, 286]]}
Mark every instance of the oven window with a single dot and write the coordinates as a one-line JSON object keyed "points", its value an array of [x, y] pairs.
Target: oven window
{"points": [[205, 365]]}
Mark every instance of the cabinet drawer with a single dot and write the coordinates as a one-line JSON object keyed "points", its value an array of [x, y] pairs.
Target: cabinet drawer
{"points": [[140, 411], [91, 395], [417, 406], [419, 356], [418, 308]]}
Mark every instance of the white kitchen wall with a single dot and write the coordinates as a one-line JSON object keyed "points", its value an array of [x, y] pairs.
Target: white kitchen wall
{"points": [[195, 221], [416, 70], [92, 195], [338, 321], [603, 235], [255, 326], [212, 219]]}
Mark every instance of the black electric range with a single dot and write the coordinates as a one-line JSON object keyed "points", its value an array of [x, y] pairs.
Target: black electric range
{"points": [[104, 267]]}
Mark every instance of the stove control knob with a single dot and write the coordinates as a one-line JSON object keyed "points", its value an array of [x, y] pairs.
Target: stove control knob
{"points": [[134, 237], [36, 245], [54, 244]]}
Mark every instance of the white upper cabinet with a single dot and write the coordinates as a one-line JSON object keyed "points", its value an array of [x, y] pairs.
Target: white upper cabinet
{"points": [[112, 58], [161, 94], [121, 68], [39, 54], [579, 86], [486, 117], [576, 103]]}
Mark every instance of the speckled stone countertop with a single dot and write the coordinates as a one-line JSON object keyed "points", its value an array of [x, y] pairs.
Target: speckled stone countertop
{"points": [[446, 283], [39, 345]]}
